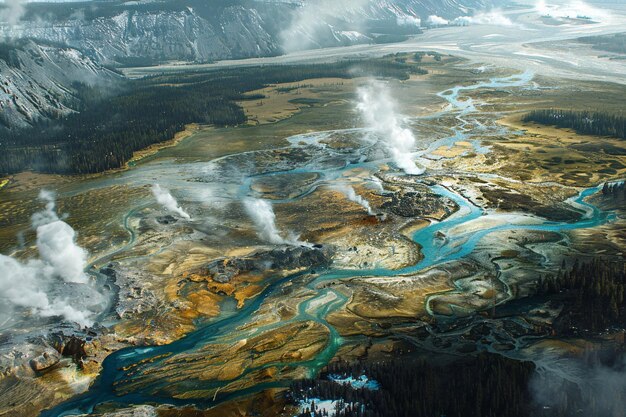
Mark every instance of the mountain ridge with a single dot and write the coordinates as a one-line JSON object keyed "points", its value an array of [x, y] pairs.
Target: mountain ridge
{"points": [[114, 33], [191, 30], [39, 81]]}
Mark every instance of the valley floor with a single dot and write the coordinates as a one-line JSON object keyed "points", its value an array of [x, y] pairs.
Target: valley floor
{"points": [[209, 318]]}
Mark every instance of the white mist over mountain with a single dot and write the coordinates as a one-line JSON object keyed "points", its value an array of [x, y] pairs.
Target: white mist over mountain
{"points": [[492, 17], [40, 285], [262, 214], [309, 22], [408, 21], [351, 195], [379, 111], [13, 11], [434, 20], [165, 198]]}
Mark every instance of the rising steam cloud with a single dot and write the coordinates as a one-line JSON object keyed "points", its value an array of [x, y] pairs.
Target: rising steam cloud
{"points": [[165, 198], [43, 286], [262, 214], [351, 195], [379, 112]]}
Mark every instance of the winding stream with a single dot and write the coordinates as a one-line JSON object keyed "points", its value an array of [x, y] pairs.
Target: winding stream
{"points": [[326, 300]]}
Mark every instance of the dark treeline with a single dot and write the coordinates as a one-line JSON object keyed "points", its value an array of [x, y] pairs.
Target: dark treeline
{"points": [[489, 385], [586, 123], [593, 296], [484, 386], [612, 43], [110, 127]]}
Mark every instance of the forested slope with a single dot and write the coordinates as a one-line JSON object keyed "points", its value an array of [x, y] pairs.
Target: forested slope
{"points": [[111, 126]]}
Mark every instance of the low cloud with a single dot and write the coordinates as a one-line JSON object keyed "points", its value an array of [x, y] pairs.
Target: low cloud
{"points": [[571, 9], [435, 20], [12, 12], [408, 21], [309, 25], [494, 17]]}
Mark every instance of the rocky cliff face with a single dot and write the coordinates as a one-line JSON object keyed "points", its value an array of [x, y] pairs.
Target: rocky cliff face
{"points": [[36, 78], [195, 30], [128, 33], [37, 81]]}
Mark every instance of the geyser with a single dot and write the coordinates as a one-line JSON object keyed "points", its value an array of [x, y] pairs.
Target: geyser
{"points": [[47, 287], [262, 214], [165, 198], [351, 195], [379, 112]]}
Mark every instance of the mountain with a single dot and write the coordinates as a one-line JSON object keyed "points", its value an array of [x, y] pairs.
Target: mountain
{"points": [[55, 45], [40, 81], [150, 32], [198, 30]]}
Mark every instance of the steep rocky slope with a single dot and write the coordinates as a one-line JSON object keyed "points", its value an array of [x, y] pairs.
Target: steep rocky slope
{"points": [[195, 30], [38, 81], [36, 77], [132, 33]]}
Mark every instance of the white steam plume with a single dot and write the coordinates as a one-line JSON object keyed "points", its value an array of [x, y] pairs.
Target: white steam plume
{"points": [[37, 285], [56, 242], [351, 195], [164, 198], [377, 184], [12, 12], [262, 214], [379, 111]]}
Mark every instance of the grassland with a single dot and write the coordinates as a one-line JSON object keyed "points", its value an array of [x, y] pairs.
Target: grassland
{"points": [[535, 168]]}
